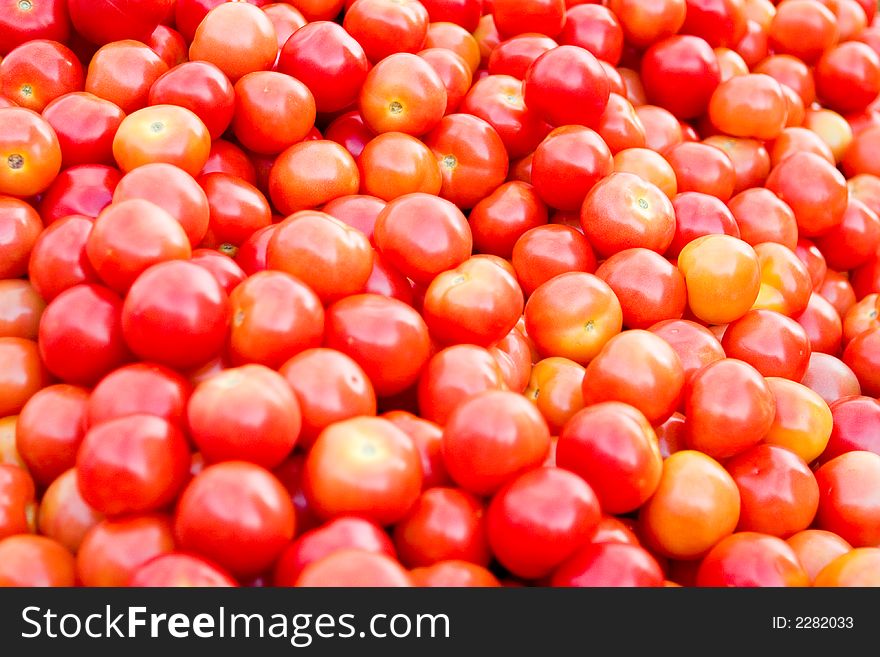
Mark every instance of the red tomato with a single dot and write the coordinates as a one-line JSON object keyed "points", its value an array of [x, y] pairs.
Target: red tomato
{"points": [[85, 125], [491, 438], [861, 356], [386, 27], [84, 189], [567, 164], [64, 516], [539, 519], [39, 71], [139, 388], [22, 229], [176, 314], [122, 72], [342, 533], [176, 569], [200, 87], [35, 561], [103, 21], [311, 173], [30, 155], [21, 307], [609, 564], [751, 559], [857, 567], [453, 573], [354, 567], [595, 28], [58, 260], [816, 548], [23, 21], [514, 56], [444, 524], [680, 73], [514, 17], [236, 514], [17, 501], [501, 218], [772, 343], [546, 251]]}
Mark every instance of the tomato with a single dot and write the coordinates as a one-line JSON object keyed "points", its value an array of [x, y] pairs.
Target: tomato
{"points": [[750, 159], [761, 216], [816, 548], [822, 324], [772, 343], [200, 87], [501, 218], [722, 276], [114, 548], [695, 345], [729, 408], [662, 129], [354, 567], [695, 506], [226, 157], [854, 240], [394, 163], [471, 157], [805, 29], [509, 438], [837, 290], [238, 38], [513, 17], [103, 21], [613, 447], [58, 260], [680, 73], [236, 210], [803, 421], [750, 105], [795, 139], [698, 214], [730, 63], [322, 52], [402, 93], [236, 514], [363, 466], [84, 189], [444, 524], [861, 356], [547, 251], [623, 211], [573, 315], [848, 501], [39, 71], [386, 27], [24, 20], [477, 302], [609, 564], [568, 163], [84, 125], [427, 436], [29, 152], [169, 44], [830, 378], [22, 228], [702, 168], [175, 569], [514, 56], [453, 71], [133, 464], [555, 386], [595, 28], [21, 307], [619, 126], [176, 314], [857, 567], [311, 173], [35, 561], [332, 258], [750, 558], [386, 337], [422, 235], [453, 573], [498, 99], [461, 12], [649, 165], [64, 516], [644, 24], [17, 501], [122, 72]]}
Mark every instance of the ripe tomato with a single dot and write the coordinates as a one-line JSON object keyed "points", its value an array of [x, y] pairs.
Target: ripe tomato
{"points": [[453, 71], [803, 421], [386, 27], [122, 72], [30, 155], [861, 356], [363, 466], [848, 500], [830, 378], [84, 189], [385, 336], [176, 314], [39, 71], [58, 260], [200, 87], [501, 218], [354, 567], [32, 561], [311, 173], [619, 126], [84, 125], [644, 24], [139, 389], [22, 21], [529, 534], [761, 216], [750, 558], [21, 307], [64, 516], [772, 343], [546, 251], [175, 569], [680, 73], [555, 386], [103, 21], [393, 164], [492, 438], [649, 165], [513, 17], [236, 514], [805, 29], [695, 506], [855, 421], [816, 548], [623, 211], [238, 38], [857, 567], [514, 56], [567, 165], [17, 501], [427, 436], [609, 564], [22, 228], [750, 105]]}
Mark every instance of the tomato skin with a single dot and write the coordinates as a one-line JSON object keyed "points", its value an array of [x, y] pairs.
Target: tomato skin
{"points": [[29, 152], [133, 464], [58, 260], [622, 211], [226, 157], [680, 73], [84, 189], [17, 493], [50, 429], [539, 519], [114, 548], [778, 491], [830, 378], [857, 567], [613, 448], [81, 334], [346, 532], [103, 21], [39, 71], [514, 56], [501, 218], [35, 561], [638, 368], [609, 564], [444, 524], [567, 164], [814, 189], [64, 516], [386, 337], [491, 438], [772, 343], [567, 86], [848, 77], [236, 514], [178, 569], [22, 22], [176, 314], [363, 466], [861, 356], [354, 567], [85, 125], [751, 559], [200, 87], [22, 228], [138, 389]]}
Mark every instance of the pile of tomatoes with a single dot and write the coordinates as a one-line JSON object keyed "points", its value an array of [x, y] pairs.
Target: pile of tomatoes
{"points": [[439, 293]]}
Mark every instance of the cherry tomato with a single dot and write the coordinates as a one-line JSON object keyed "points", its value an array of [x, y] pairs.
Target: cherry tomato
{"points": [[751, 559], [122, 72], [200, 87], [39, 71], [30, 155]]}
